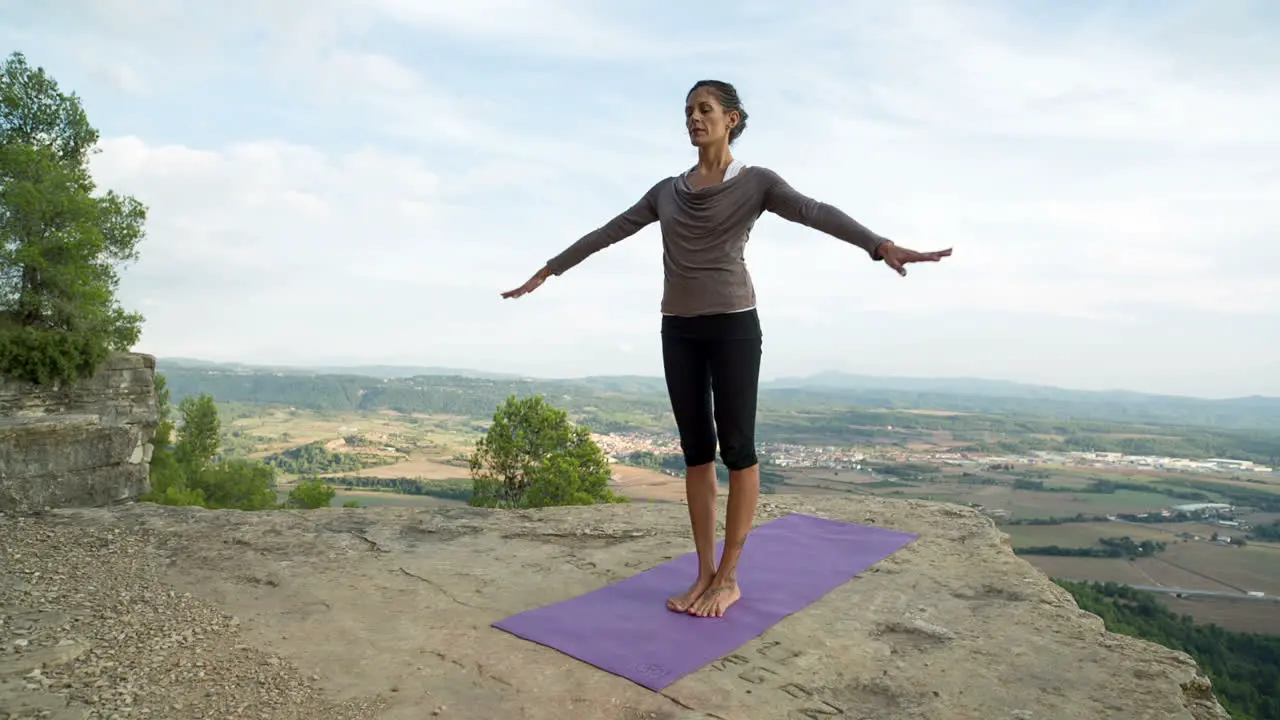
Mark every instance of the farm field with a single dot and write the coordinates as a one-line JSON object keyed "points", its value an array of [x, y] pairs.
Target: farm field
{"points": [[371, 498], [1246, 568], [1033, 503], [434, 446], [258, 432], [1239, 615], [1197, 565], [414, 466], [1017, 503], [1082, 534], [822, 483], [1143, 571], [1242, 614], [1253, 567], [649, 485]]}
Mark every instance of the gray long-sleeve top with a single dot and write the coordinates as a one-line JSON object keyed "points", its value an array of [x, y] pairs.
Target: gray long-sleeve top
{"points": [[704, 233]]}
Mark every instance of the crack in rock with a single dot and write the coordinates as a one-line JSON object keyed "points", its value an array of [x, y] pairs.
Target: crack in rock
{"points": [[440, 589]]}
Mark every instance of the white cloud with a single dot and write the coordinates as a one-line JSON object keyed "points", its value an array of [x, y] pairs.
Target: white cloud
{"points": [[553, 26], [271, 249], [360, 180], [575, 29], [964, 69], [1074, 169]]}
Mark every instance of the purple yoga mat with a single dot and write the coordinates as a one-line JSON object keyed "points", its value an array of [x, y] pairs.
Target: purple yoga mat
{"points": [[626, 629]]}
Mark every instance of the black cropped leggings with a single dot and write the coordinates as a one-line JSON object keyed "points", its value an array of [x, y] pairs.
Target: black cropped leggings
{"points": [[714, 356]]}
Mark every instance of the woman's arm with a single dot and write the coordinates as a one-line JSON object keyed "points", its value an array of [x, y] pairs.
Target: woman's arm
{"points": [[623, 226], [644, 212], [790, 204]]}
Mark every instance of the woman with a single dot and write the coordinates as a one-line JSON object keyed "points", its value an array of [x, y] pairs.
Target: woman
{"points": [[711, 338]]}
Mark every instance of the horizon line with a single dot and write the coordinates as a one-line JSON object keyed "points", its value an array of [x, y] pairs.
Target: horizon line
{"points": [[351, 366]]}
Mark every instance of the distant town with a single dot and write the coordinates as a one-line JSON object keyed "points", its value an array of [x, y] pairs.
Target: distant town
{"points": [[624, 447], [620, 445]]}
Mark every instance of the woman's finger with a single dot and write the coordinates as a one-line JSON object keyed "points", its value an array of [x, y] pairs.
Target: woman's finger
{"points": [[528, 287], [934, 256]]}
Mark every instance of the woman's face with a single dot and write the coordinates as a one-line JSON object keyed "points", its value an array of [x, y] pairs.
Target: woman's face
{"points": [[705, 119]]}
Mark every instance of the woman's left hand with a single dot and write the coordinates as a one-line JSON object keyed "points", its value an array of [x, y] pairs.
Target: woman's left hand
{"points": [[897, 257]]}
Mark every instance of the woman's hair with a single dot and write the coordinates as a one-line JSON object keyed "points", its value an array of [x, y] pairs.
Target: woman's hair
{"points": [[728, 96]]}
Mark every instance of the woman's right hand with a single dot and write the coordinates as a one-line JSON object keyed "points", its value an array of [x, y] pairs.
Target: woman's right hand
{"points": [[529, 286]]}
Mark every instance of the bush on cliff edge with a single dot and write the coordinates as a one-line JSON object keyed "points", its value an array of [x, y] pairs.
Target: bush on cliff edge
{"points": [[533, 456], [60, 243]]}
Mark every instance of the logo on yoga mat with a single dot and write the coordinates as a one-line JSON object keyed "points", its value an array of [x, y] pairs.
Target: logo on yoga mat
{"points": [[649, 670]]}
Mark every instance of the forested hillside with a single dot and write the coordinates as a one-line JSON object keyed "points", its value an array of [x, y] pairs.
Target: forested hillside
{"points": [[988, 397]]}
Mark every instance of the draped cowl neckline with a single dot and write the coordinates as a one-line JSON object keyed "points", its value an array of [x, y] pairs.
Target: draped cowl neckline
{"points": [[702, 211]]}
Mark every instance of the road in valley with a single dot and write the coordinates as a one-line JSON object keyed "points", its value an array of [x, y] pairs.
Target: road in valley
{"points": [[1189, 592]]}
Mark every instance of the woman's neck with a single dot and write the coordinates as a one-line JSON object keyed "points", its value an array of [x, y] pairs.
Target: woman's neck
{"points": [[714, 160]]}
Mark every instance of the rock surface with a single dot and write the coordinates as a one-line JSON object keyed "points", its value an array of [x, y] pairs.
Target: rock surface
{"points": [[139, 611], [83, 445]]}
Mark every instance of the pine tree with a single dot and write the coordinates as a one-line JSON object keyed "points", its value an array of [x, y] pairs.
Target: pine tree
{"points": [[60, 241]]}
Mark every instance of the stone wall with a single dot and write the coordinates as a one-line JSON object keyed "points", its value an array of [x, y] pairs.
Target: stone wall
{"points": [[83, 445]]}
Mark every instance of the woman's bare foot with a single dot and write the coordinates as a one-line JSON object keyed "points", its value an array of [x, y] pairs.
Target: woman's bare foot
{"points": [[716, 599], [684, 601]]}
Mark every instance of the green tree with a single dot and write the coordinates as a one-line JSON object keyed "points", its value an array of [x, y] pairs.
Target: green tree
{"points": [[311, 494], [184, 473], [164, 413], [168, 483], [533, 456], [1270, 532], [236, 485], [201, 433], [60, 243]]}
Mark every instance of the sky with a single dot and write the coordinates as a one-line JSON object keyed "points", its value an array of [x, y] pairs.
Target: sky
{"points": [[357, 181]]}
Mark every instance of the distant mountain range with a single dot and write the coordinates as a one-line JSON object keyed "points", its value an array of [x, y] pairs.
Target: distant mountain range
{"points": [[819, 381], [972, 395], [976, 386], [375, 371]]}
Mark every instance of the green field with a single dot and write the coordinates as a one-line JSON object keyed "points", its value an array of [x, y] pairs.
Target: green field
{"points": [[1080, 534], [1029, 504]]}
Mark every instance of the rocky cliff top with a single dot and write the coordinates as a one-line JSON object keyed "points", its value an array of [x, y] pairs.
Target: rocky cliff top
{"points": [[141, 611]]}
